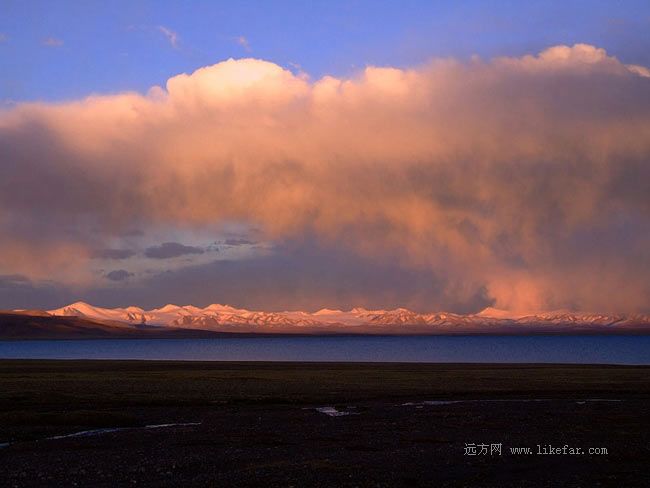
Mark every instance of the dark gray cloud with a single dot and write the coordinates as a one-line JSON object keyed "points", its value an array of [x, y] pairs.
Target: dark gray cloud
{"points": [[118, 275], [239, 242], [113, 253], [133, 233], [302, 276], [296, 276], [18, 292], [171, 250], [12, 279]]}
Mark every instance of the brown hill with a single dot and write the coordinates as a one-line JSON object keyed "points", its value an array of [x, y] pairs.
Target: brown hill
{"points": [[40, 325]]}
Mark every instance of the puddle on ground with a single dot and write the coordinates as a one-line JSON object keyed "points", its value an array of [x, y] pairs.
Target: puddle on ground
{"points": [[160, 426], [88, 433], [333, 412], [522, 400]]}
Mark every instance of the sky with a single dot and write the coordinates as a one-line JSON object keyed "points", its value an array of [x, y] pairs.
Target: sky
{"points": [[287, 155]]}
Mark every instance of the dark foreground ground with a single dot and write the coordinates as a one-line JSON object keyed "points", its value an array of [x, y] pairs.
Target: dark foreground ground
{"points": [[256, 424]]}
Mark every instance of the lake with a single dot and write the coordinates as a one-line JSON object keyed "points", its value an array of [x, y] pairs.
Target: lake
{"points": [[469, 349]]}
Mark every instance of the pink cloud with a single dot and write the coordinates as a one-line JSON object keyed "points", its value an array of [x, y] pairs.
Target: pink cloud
{"points": [[52, 42], [523, 174], [171, 36]]}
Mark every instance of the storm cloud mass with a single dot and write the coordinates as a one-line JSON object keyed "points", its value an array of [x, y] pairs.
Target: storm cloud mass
{"points": [[522, 181], [171, 250]]}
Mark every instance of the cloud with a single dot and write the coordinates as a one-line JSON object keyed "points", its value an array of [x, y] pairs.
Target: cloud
{"points": [[19, 292], [113, 254], [118, 275], [243, 42], [308, 277], [52, 42], [301, 276], [639, 70], [239, 242], [171, 250], [170, 35], [10, 280], [525, 177]]}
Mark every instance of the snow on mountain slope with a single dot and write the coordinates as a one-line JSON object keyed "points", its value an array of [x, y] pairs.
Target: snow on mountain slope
{"points": [[496, 313], [81, 309], [226, 318]]}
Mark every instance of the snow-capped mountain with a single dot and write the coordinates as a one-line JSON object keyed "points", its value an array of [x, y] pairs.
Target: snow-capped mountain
{"points": [[225, 318]]}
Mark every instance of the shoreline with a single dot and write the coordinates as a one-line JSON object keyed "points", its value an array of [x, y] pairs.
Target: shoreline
{"points": [[214, 335]]}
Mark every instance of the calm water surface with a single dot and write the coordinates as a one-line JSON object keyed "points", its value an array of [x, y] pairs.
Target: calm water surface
{"points": [[478, 349]]}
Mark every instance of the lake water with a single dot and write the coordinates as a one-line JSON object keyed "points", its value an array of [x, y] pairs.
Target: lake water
{"points": [[470, 349]]}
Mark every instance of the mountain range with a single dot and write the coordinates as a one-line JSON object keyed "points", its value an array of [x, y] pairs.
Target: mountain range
{"points": [[227, 319]]}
